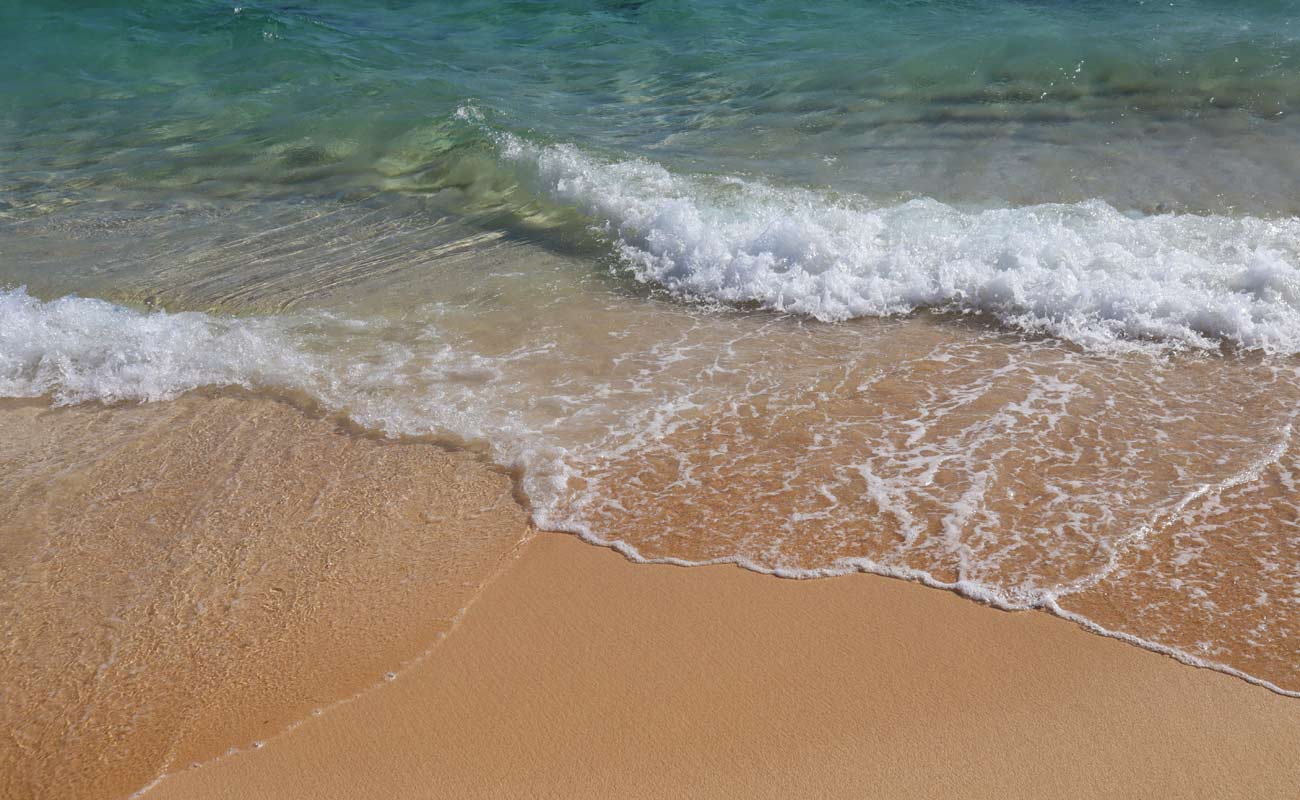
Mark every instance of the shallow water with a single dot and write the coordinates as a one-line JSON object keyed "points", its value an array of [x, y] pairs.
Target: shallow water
{"points": [[1001, 296]]}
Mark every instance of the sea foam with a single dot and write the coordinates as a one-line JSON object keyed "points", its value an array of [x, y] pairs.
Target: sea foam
{"points": [[76, 349], [1086, 272]]}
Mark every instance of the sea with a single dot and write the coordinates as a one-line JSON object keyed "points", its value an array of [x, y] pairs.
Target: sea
{"points": [[1000, 296]]}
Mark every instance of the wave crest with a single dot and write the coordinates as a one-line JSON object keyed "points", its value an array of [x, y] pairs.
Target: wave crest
{"points": [[1086, 272]]}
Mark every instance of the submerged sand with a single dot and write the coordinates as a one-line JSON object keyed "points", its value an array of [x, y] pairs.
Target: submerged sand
{"points": [[187, 577]]}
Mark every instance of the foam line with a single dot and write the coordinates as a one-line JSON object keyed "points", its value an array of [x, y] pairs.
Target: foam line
{"points": [[1086, 272]]}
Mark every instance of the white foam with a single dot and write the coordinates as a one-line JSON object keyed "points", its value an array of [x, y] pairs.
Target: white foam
{"points": [[1084, 271], [76, 349]]}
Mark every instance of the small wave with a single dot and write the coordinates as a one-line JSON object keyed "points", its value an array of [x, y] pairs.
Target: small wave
{"points": [[77, 349], [1085, 272]]}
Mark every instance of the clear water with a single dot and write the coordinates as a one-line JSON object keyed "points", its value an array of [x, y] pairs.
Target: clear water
{"points": [[1000, 296], [1178, 106]]}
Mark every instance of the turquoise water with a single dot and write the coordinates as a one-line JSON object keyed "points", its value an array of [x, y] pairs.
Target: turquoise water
{"points": [[999, 296], [1145, 105]]}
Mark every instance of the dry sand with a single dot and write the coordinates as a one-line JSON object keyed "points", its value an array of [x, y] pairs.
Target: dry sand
{"points": [[579, 674]]}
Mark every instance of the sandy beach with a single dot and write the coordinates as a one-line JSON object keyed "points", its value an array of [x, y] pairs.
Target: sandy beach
{"points": [[424, 401], [251, 601], [186, 576], [579, 674]]}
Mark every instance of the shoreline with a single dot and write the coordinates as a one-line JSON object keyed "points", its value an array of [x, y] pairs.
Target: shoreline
{"points": [[577, 673], [976, 595], [372, 554], [650, 400]]}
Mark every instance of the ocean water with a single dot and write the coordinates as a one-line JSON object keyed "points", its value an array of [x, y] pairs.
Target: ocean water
{"points": [[999, 296]]}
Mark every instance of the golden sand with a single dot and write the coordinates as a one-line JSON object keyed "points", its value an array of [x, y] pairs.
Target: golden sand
{"points": [[577, 674], [182, 577], [187, 577]]}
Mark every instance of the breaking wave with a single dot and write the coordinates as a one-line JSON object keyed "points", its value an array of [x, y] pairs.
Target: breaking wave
{"points": [[1086, 272]]}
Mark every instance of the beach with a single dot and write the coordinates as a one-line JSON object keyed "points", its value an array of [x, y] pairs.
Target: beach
{"points": [[422, 399], [506, 662], [579, 674], [187, 576]]}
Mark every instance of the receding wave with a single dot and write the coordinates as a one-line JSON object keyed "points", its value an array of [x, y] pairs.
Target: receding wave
{"points": [[381, 374], [953, 457], [1086, 272]]}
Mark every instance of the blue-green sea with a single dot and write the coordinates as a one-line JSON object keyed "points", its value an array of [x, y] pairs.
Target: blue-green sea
{"points": [[1002, 296], [1172, 106]]}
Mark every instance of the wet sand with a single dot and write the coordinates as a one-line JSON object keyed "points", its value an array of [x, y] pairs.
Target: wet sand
{"points": [[179, 578], [258, 601], [576, 673]]}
